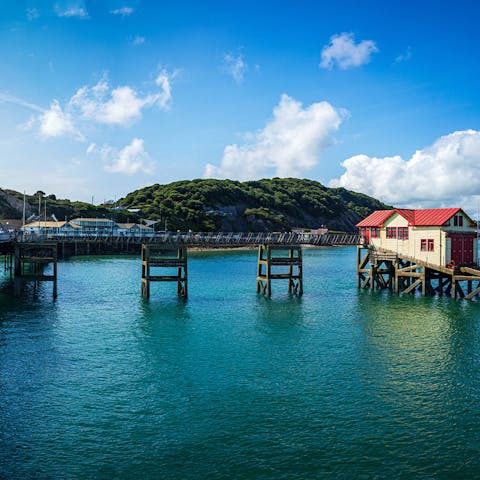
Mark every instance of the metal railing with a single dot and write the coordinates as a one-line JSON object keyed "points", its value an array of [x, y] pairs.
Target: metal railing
{"points": [[207, 239]]}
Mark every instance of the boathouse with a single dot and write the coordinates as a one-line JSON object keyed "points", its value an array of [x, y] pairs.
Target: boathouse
{"points": [[439, 236]]}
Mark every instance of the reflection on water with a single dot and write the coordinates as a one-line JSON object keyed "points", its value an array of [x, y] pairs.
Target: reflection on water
{"points": [[338, 383]]}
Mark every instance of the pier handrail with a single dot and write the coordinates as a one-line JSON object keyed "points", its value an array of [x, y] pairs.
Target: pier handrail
{"points": [[207, 239]]}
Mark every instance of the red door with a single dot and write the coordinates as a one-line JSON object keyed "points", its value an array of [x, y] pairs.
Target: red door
{"points": [[366, 234], [462, 248]]}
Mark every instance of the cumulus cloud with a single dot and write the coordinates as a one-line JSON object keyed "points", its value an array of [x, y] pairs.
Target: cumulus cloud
{"points": [[99, 104], [235, 66], [129, 160], [343, 52], [443, 172], [290, 144], [123, 11], [54, 122], [51, 122], [122, 105]]}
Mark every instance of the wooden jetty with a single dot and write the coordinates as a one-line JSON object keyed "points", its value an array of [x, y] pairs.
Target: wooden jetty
{"points": [[379, 269], [159, 256], [30, 261], [267, 259]]}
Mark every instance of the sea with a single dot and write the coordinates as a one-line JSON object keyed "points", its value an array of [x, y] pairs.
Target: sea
{"points": [[340, 383]]}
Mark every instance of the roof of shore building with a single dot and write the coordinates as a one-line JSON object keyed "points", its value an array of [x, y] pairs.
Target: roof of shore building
{"points": [[419, 217], [46, 224]]}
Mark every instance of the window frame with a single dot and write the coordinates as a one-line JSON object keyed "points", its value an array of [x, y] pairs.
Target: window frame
{"points": [[402, 233], [391, 233], [427, 245]]}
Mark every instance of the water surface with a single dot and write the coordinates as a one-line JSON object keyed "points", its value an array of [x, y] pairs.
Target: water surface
{"points": [[340, 383]]}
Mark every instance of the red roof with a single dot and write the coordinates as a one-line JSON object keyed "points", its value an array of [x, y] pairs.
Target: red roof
{"points": [[424, 217], [408, 215], [376, 218], [434, 216]]}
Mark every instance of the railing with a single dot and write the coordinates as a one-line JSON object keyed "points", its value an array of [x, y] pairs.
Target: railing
{"points": [[208, 239]]}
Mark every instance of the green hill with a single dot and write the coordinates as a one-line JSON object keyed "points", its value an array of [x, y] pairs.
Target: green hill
{"points": [[11, 206], [277, 204]]}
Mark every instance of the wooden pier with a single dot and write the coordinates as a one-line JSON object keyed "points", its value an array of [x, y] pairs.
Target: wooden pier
{"points": [[267, 260], [381, 269], [155, 256], [30, 262]]}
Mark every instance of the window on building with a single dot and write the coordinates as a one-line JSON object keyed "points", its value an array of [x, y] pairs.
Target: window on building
{"points": [[427, 245], [458, 221], [375, 232], [402, 233], [391, 232]]}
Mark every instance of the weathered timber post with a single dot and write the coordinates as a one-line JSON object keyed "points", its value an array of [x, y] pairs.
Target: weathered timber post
{"points": [[266, 261], [152, 258], [30, 262]]}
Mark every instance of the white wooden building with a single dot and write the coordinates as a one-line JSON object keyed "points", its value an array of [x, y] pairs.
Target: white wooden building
{"points": [[440, 236]]}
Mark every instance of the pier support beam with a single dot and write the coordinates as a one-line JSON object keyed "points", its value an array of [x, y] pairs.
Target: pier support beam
{"points": [[30, 261], [154, 256], [381, 269], [267, 260]]}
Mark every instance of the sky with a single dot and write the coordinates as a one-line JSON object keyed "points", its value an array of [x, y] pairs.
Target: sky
{"points": [[100, 98]]}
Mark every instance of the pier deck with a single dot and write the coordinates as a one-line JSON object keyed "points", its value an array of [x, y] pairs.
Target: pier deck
{"points": [[383, 269]]}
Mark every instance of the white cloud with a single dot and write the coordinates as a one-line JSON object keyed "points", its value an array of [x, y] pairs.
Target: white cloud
{"points": [[71, 9], [342, 51], [129, 160], [101, 104], [447, 171], [54, 122], [138, 40], [7, 98], [32, 13], [121, 105], [164, 97], [124, 11], [51, 122], [289, 144], [235, 66]]}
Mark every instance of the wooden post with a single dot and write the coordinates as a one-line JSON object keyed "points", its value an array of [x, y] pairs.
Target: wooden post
{"points": [[30, 262], [152, 258], [266, 261]]}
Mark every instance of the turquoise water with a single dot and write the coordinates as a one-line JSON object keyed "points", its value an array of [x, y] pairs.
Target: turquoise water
{"points": [[340, 383]]}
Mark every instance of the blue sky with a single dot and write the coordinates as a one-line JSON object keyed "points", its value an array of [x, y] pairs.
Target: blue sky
{"points": [[98, 98]]}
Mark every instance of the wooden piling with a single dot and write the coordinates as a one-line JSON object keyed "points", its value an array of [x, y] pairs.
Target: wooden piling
{"points": [[381, 269], [267, 260], [30, 261], [154, 256]]}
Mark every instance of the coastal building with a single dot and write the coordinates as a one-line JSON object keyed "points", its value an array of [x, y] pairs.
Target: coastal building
{"points": [[440, 236], [95, 225], [135, 229], [43, 227], [87, 227]]}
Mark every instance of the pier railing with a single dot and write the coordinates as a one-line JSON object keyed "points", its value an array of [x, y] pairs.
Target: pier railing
{"points": [[202, 239]]}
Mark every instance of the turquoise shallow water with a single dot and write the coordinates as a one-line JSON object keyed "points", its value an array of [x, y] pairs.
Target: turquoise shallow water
{"points": [[338, 384]]}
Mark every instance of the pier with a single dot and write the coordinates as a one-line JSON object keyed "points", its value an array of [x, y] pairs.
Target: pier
{"points": [[279, 258], [379, 269]]}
